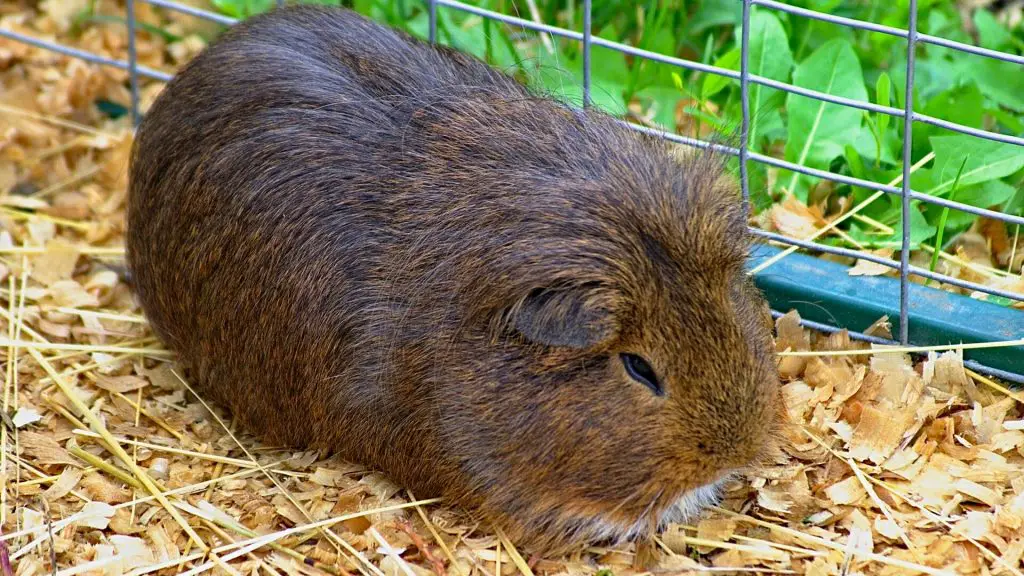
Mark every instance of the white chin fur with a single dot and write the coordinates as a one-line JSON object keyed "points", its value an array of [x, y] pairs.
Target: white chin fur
{"points": [[690, 505]]}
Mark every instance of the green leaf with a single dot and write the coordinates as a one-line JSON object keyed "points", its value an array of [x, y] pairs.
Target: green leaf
{"points": [[677, 81], [937, 23], [1015, 205], [769, 57], [942, 219], [1002, 82], [990, 31], [419, 25], [883, 87], [1000, 300], [931, 76], [867, 144], [1011, 121], [243, 8], [772, 126], [714, 13], [993, 193], [987, 195], [664, 100], [960, 104], [920, 231], [561, 75], [824, 5], [855, 162], [709, 49], [819, 131], [656, 37], [475, 40], [714, 83], [986, 160]]}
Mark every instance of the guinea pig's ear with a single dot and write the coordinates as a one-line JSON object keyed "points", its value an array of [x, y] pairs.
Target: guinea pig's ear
{"points": [[571, 317]]}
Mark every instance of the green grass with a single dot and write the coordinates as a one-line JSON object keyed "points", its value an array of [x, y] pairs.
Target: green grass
{"points": [[962, 88]]}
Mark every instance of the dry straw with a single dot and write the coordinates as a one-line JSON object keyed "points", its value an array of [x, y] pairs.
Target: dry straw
{"points": [[134, 473]]}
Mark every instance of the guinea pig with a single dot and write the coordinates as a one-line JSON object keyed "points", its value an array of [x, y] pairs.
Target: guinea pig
{"points": [[359, 242]]}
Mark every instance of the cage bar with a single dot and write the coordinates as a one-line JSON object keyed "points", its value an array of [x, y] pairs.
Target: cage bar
{"points": [[133, 67], [823, 292], [679, 62], [908, 129], [861, 337], [587, 44], [914, 323], [911, 270], [193, 11], [432, 9], [744, 154], [82, 54], [861, 25]]}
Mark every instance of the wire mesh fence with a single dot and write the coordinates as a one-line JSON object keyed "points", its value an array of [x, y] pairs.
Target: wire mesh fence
{"points": [[903, 188]]}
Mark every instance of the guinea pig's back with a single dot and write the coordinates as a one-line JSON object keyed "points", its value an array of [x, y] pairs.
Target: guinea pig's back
{"points": [[258, 182]]}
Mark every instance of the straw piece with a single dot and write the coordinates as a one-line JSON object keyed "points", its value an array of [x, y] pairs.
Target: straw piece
{"points": [[104, 315], [903, 349], [327, 532], [98, 426], [170, 450], [766, 553], [995, 386], [834, 223], [87, 348], [833, 546], [21, 215], [953, 447], [53, 120], [244, 546], [521, 564], [437, 536]]}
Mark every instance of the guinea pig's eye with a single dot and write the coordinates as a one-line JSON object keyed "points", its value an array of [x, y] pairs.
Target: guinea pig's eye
{"points": [[639, 370]]}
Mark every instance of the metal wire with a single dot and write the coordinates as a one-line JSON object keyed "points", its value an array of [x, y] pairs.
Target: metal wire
{"points": [[192, 11], [745, 79], [587, 13], [860, 336], [745, 104], [432, 9], [908, 129], [905, 34], [133, 67], [687, 64], [832, 176], [82, 54], [911, 270], [708, 69]]}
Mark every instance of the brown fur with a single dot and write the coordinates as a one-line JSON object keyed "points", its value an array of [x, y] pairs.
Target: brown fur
{"points": [[359, 242]]}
